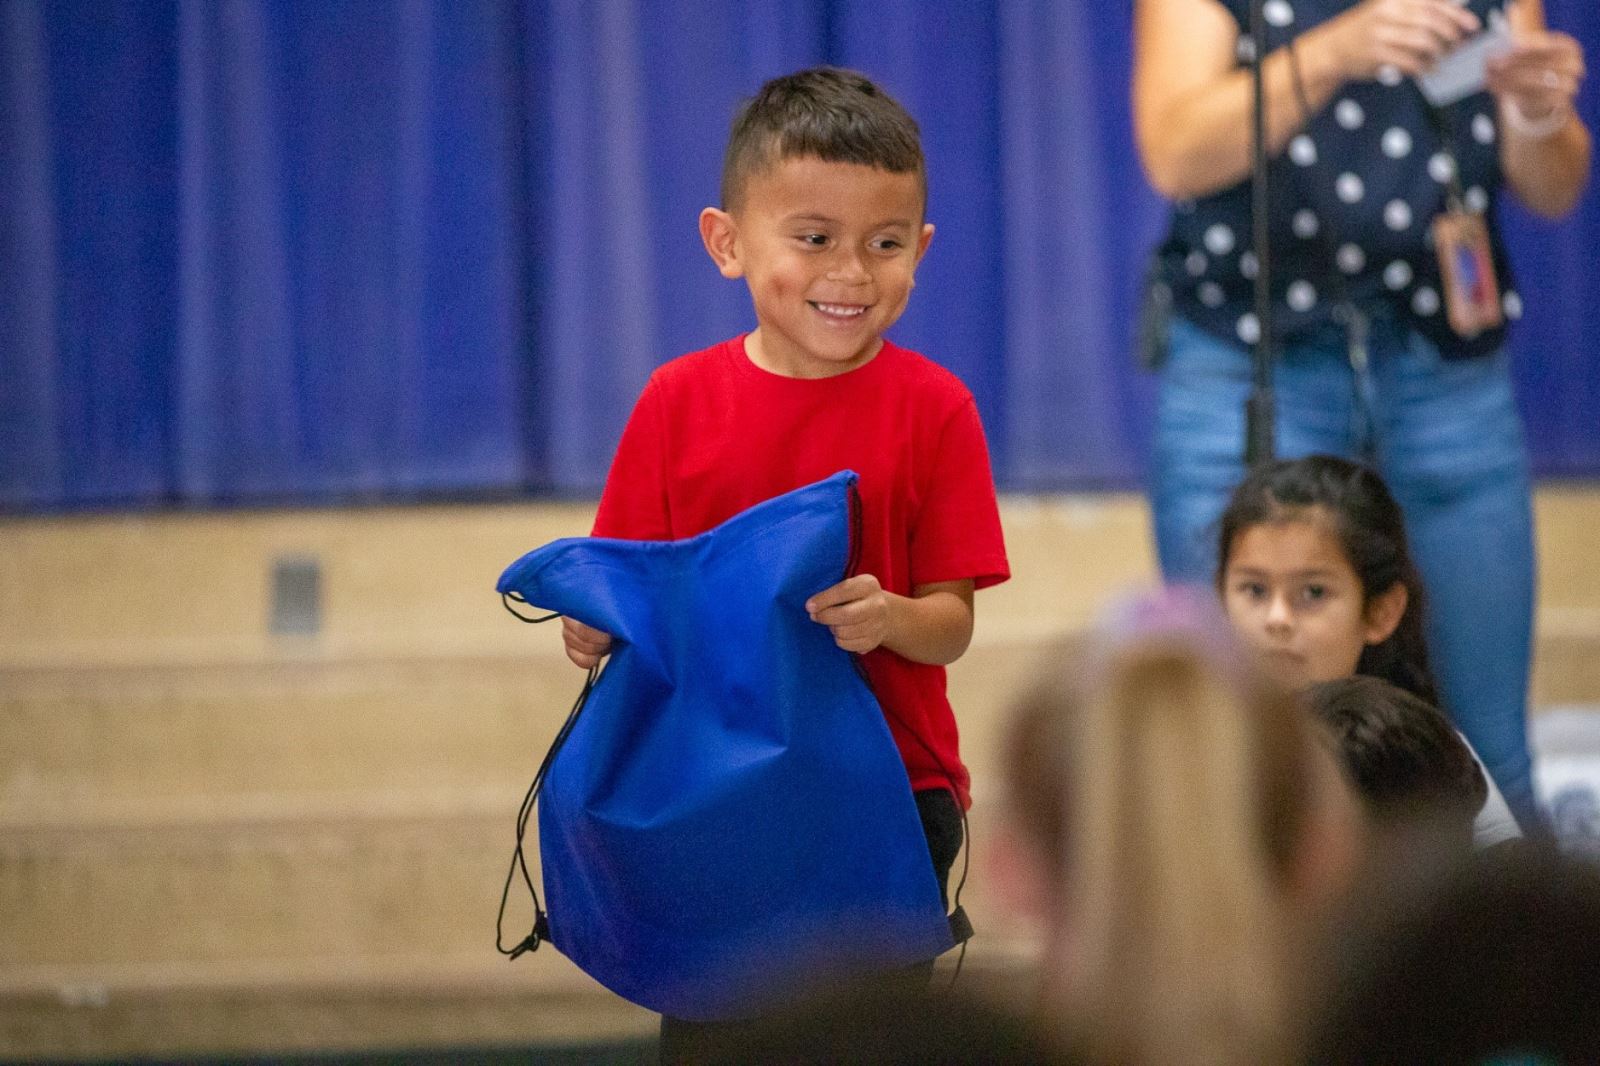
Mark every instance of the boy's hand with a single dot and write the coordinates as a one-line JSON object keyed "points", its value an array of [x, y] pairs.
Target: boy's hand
{"points": [[856, 610], [586, 645]]}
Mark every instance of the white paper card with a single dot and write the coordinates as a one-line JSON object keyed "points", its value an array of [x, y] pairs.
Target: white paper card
{"points": [[1463, 72]]}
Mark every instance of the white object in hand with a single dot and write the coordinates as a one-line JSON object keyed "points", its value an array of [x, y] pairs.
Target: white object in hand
{"points": [[1465, 70]]}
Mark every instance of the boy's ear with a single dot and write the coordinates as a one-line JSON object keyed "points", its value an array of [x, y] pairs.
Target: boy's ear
{"points": [[721, 237], [1384, 612], [923, 239]]}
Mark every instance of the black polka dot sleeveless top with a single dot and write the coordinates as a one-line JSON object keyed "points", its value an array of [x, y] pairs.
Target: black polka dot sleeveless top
{"points": [[1353, 198]]}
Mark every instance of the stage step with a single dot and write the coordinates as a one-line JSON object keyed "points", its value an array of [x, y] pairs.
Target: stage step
{"points": [[115, 742], [236, 887], [218, 838], [398, 1006]]}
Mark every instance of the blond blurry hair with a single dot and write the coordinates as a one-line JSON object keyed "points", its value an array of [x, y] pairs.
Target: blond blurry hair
{"points": [[1171, 794]]}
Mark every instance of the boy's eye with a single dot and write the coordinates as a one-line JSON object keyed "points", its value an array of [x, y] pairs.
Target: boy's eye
{"points": [[1253, 590], [887, 244], [1316, 592], [815, 240]]}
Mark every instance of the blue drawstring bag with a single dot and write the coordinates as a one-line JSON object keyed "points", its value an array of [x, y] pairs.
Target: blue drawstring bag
{"points": [[725, 821]]}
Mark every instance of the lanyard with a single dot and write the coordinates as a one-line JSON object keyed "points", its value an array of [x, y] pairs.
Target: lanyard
{"points": [[1442, 122]]}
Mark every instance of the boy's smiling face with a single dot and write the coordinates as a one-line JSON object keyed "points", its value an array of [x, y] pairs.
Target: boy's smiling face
{"points": [[829, 251]]}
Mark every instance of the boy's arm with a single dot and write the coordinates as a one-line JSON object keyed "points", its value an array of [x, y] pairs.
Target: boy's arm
{"points": [[957, 532], [933, 625], [1192, 98]]}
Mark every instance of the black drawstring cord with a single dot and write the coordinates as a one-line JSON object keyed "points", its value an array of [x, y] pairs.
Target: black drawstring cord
{"points": [[508, 598], [960, 924], [519, 862]]}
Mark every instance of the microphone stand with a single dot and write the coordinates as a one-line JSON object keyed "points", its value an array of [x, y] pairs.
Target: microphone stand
{"points": [[1260, 409]]}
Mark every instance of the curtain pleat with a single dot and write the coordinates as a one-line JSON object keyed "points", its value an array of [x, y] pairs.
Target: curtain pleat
{"points": [[259, 251]]}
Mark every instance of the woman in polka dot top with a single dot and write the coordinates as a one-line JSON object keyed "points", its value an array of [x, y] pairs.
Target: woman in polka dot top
{"points": [[1370, 365]]}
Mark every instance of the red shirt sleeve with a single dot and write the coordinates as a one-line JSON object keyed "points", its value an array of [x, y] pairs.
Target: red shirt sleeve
{"points": [[633, 505], [957, 533]]}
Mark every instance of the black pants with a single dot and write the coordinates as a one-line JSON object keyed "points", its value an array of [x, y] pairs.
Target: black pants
{"points": [[941, 824], [684, 1043]]}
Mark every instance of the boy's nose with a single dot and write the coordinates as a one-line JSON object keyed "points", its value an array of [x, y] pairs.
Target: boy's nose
{"points": [[848, 269]]}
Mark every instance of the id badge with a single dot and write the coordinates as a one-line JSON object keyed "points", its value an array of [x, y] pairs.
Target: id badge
{"points": [[1471, 292]]}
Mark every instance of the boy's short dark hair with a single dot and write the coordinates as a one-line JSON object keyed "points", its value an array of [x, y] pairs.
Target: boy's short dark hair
{"points": [[833, 114], [1400, 752]]}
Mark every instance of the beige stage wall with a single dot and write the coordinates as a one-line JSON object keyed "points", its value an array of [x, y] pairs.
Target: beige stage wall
{"points": [[216, 839]]}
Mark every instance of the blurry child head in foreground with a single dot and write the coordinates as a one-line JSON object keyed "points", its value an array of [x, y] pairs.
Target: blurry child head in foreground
{"points": [[1483, 957], [1174, 819]]}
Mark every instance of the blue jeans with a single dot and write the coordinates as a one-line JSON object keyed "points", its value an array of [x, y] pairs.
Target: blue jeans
{"points": [[1446, 437]]}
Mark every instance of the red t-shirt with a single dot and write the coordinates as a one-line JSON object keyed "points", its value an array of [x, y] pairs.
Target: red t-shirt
{"points": [[713, 434]]}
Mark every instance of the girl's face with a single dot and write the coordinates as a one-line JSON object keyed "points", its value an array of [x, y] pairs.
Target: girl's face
{"points": [[1290, 591]]}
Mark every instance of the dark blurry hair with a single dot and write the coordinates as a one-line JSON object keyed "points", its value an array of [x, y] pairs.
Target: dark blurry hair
{"points": [[1369, 526], [884, 1023], [835, 115], [1490, 958], [1401, 754]]}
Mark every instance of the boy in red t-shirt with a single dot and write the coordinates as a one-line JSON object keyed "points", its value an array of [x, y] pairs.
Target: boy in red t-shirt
{"points": [[823, 194]]}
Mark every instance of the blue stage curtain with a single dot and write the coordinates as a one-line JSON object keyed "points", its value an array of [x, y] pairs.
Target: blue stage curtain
{"points": [[257, 251], [349, 259]]}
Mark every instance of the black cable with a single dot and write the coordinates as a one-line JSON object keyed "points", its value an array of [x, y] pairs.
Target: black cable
{"points": [[1260, 408], [519, 861]]}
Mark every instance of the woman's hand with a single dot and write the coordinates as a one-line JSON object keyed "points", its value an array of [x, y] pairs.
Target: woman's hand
{"points": [[1538, 75], [1544, 152], [1193, 101], [1409, 36]]}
